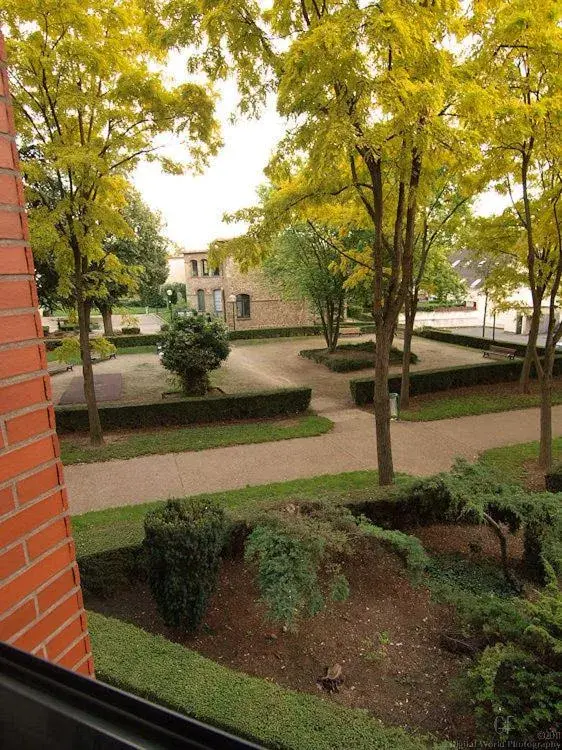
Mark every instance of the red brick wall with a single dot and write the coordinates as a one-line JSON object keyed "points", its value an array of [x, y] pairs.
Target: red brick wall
{"points": [[41, 607]]}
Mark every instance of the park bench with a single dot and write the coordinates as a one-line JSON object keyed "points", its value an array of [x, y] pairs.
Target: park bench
{"points": [[103, 359], [349, 331], [57, 367], [500, 352]]}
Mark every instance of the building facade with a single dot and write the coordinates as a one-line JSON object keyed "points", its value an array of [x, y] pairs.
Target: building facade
{"points": [[244, 300]]}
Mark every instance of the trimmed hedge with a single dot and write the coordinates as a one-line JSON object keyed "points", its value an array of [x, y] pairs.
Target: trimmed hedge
{"points": [[124, 341], [553, 479], [474, 342], [180, 679], [185, 411], [431, 381], [365, 359], [274, 333]]}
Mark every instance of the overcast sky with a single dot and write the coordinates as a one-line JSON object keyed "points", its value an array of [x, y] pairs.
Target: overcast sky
{"points": [[192, 206]]}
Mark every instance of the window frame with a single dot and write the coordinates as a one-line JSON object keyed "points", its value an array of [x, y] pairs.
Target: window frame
{"points": [[217, 294], [243, 307], [201, 296], [194, 268], [204, 267]]}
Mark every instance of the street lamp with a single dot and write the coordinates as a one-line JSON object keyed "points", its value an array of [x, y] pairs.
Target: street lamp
{"points": [[169, 292], [232, 299]]}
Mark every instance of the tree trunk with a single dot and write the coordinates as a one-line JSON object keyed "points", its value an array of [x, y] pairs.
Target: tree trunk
{"points": [[409, 318], [107, 319], [382, 407], [545, 449], [83, 307], [525, 377]]}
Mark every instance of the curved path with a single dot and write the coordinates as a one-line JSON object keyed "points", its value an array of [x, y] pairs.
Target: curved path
{"points": [[419, 448]]}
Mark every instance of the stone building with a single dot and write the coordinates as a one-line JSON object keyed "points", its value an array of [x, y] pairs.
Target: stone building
{"points": [[242, 300]]}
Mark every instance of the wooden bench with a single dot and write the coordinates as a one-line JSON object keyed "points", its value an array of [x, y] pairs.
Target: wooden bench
{"points": [[58, 367], [103, 359], [500, 352], [348, 331]]}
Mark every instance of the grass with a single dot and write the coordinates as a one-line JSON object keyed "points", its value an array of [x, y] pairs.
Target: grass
{"points": [[102, 530], [449, 407], [510, 459], [193, 439], [167, 673], [52, 356]]}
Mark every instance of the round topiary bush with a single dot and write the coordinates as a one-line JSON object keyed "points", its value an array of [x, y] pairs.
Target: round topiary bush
{"points": [[183, 543], [193, 347]]}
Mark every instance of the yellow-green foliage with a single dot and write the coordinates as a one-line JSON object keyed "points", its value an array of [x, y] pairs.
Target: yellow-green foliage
{"points": [[68, 351]]}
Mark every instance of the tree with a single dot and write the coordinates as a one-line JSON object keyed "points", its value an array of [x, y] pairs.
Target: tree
{"points": [[519, 73], [89, 97], [193, 346], [371, 89], [304, 266], [144, 250]]}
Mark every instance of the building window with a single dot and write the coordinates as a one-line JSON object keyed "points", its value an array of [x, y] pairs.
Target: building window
{"points": [[216, 271], [242, 305], [204, 268], [217, 300], [194, 268], [201, 300]]}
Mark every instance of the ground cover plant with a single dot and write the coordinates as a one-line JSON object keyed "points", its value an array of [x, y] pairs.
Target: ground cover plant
{"points": [[364, 561], [349, 357], [125, 445]]}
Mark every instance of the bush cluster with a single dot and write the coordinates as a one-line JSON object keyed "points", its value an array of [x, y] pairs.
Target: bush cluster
{"points": [[120, 341], [197, 410], [183, 543], [474, 342], [350, 357], [553, 479], [431, 381]]}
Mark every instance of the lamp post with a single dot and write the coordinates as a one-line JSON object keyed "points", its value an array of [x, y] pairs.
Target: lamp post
{"points": [[169, 292], [232, 299]]}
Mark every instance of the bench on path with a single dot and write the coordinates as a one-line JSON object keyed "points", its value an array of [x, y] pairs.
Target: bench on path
{"points": [[350, 331], [103, 359], [57, 367], [500, 352]]}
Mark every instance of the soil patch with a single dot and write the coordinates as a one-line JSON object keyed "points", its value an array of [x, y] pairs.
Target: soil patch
{"points": [[385, 637]]}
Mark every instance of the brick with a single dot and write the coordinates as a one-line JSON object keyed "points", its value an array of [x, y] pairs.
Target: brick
{"points": [[14, 294], [6, 154], [27, 425], [17, 327], [48, 537], [14, 397], [74, 655], [86, 668], [23, 459], [56, 589], [15, 260], [20, 361], [33, 577], [9, 192], [11, 225], [29, 518], [19, 619], [41, 629], [62, 640], [4, 128], [11, 561], [37, 484], [6, 500]]}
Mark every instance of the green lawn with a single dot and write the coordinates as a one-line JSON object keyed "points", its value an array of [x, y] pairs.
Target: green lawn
{"points": [[509, 460], [449, 407], [101, 530], [51, 356], [75, 451]]}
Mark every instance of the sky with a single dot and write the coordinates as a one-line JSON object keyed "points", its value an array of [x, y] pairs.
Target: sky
{"points": [[192, 206]]}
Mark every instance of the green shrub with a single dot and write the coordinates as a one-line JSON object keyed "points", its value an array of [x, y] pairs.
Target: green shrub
{"points": [[553, 479], [69, 350], [407, 547], [129, 341], [193, 347], [165, 327], [45, 330], [183, 543], [164, 672], [362, 356], [274, 333], [432, 381], [102, 348], [518, 674], [133, 330], [206, 409]]}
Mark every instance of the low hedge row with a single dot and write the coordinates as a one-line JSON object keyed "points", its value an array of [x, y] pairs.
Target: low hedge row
{"points": [[180, 679], [198, 410], [124, 341], [474, 342], [431, 381], [350, 357], [274, 333]]}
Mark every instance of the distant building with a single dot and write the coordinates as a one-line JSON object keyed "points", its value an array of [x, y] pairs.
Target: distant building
{"points": [[176, 269], [243, 300]]}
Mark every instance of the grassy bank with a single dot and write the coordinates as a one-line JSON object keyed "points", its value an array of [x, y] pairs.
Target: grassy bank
{"points": [[129, 445], [510, 460], [449, 407]]}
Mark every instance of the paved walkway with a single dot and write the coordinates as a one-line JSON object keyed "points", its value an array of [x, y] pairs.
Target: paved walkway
{"points": [[419, 448]]}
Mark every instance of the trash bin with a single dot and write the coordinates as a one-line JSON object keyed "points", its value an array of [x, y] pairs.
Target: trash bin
{"points": [[394, 406]]}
